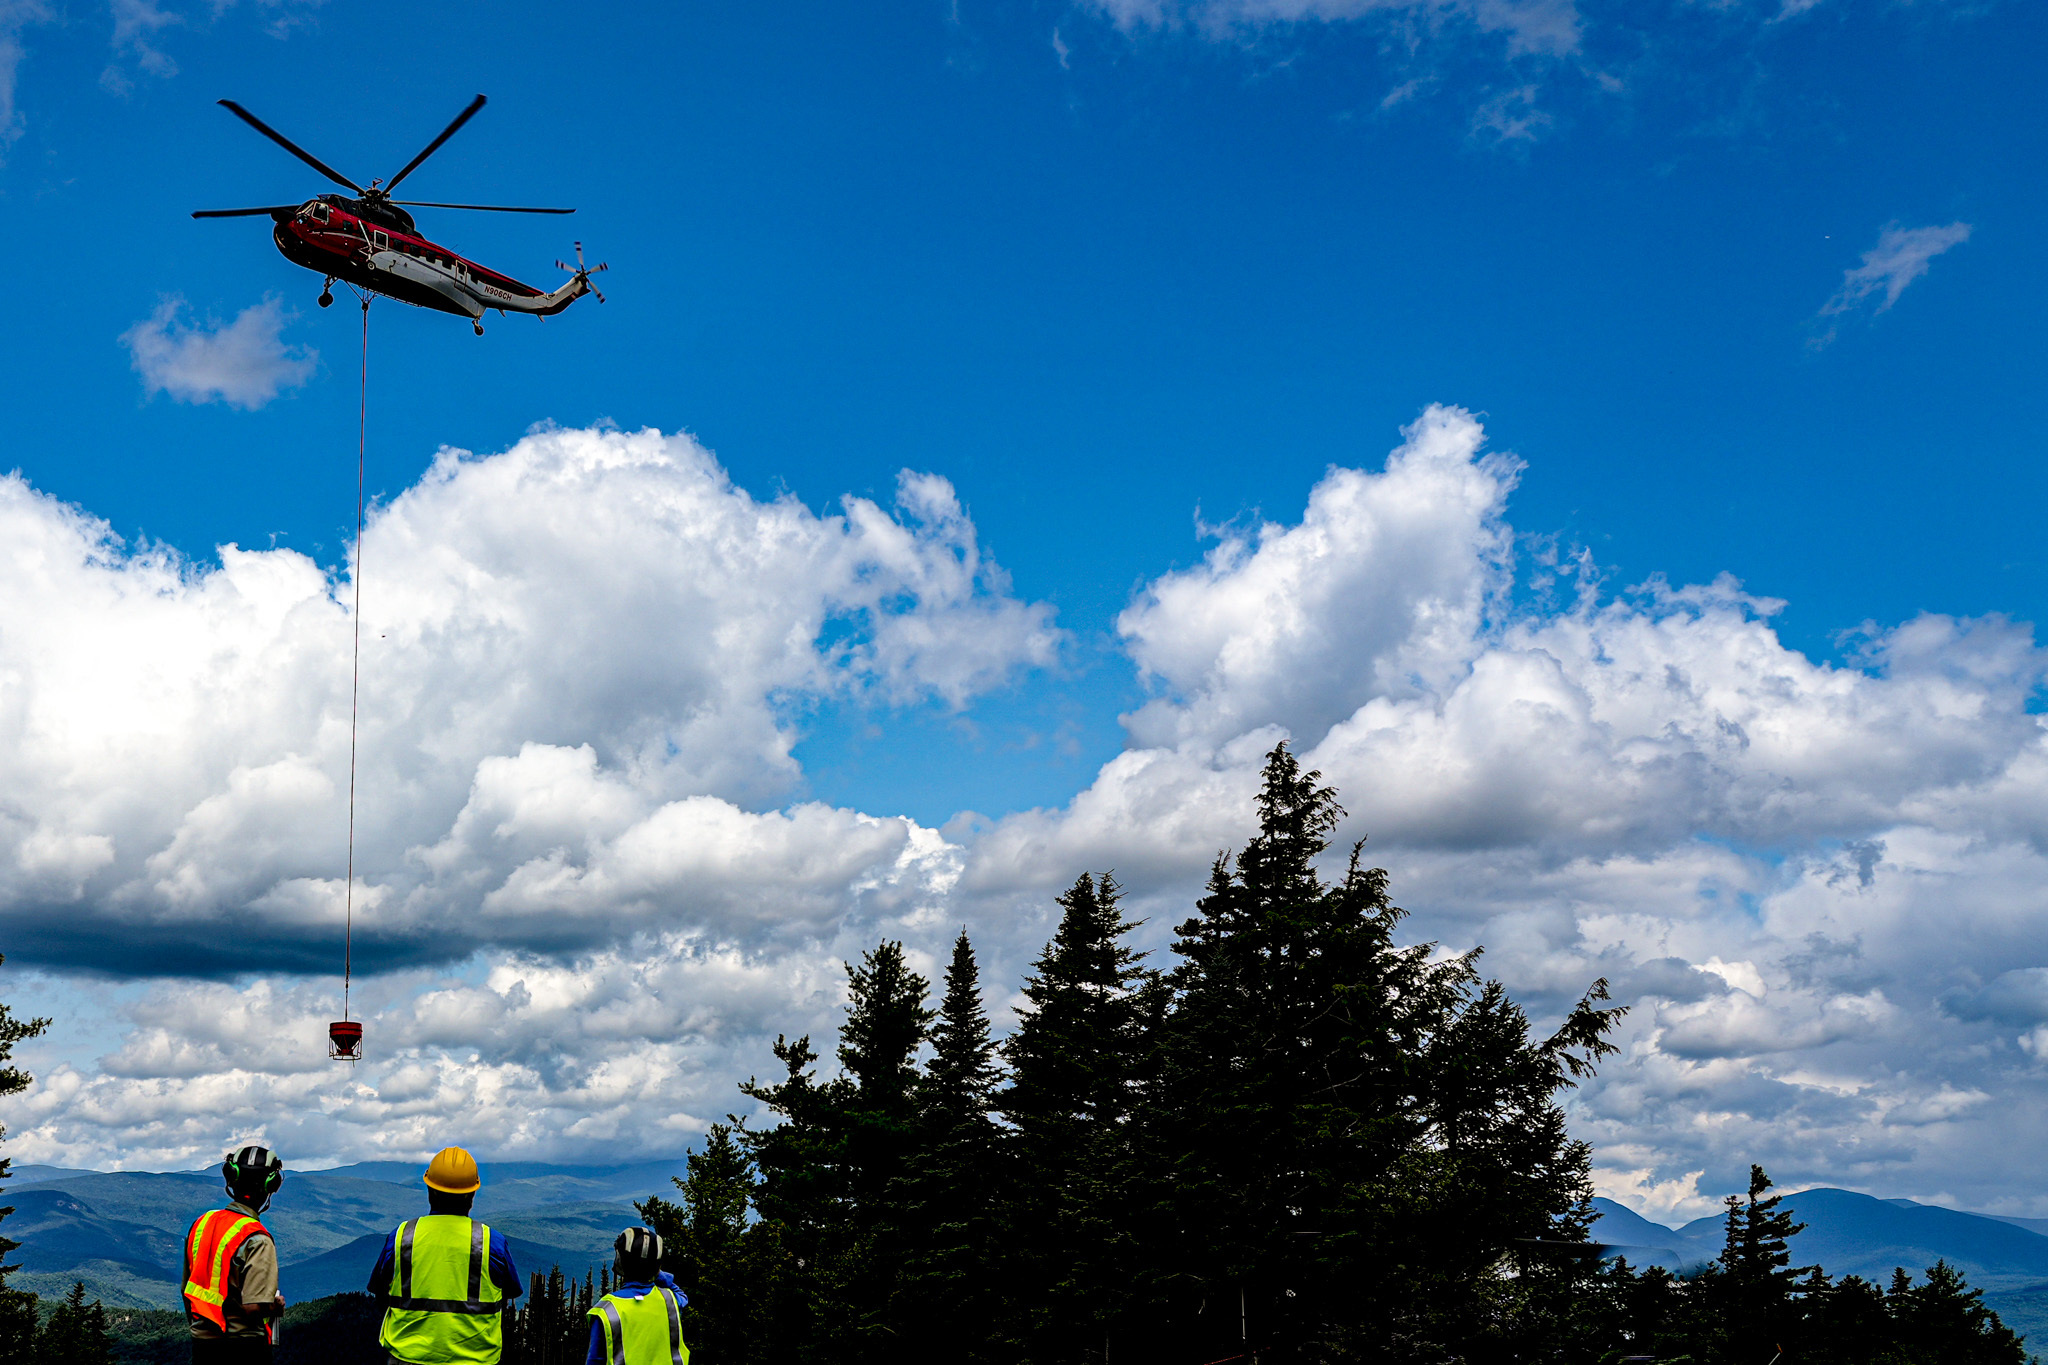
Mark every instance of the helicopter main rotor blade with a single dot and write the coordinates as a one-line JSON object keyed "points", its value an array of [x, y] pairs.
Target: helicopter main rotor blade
{"points": [[435, 146], [246, 213], [294, 148], [482, 208]]}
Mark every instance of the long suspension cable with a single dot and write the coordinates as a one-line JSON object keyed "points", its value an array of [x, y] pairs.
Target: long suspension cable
{"points": [[355, 684]]}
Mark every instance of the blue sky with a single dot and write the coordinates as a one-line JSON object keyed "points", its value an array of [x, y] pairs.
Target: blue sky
{"points": [[1125, 275], [1165, 274]]}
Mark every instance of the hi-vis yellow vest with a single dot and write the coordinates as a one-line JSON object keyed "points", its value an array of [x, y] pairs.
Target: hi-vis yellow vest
{"points": [[444, 1306], [643, 1331], [209, 1259]]}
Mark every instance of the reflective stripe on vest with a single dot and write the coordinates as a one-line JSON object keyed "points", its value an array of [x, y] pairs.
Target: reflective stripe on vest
{"points": [[643, 1331], [442, 1304], [209, 1258]]}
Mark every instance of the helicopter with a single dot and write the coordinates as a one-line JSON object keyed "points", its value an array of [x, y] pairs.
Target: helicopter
{"points": [[367, 239]]}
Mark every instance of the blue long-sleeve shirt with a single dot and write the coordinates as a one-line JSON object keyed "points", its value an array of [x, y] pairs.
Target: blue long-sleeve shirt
{"points": [[637, 1289], [504, 1274]]}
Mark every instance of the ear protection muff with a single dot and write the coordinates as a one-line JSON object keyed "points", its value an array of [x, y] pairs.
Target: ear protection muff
{"points": [[240, 1170]]}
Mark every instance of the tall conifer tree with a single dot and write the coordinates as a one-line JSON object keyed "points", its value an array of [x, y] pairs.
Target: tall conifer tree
{"points": [[951, 1292], [831, 1173], [801, 1194], [76, 1333], [1755, 1234], [735, 1269], [1346, 1131], [1078, 1061], [886, 1023], [1751, 1285]]}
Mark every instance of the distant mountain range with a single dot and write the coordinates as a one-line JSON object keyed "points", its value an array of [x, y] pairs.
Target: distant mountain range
{"points": [[123, 1233], [1858, 1234], [1853, 1234]]}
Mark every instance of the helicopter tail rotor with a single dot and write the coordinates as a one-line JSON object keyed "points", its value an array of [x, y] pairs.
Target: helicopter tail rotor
{"points": [[584, 272]]}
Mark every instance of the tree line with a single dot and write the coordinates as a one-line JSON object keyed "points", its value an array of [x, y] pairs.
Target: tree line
{"points": [[1300, 1141], [1752, 1304]]}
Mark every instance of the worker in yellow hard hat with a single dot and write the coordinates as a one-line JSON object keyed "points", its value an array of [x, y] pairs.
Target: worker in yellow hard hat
{"points": [[444, 1279]]}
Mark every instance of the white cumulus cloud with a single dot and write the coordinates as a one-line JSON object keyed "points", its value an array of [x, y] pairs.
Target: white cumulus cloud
{"points": [[244, 363], [592, 891], [579, 661], [1812, 881]]}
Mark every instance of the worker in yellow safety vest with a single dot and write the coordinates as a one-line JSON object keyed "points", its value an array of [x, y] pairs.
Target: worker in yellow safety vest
{"points": [[445, 1279], [640, 1322], [231, 1298]]}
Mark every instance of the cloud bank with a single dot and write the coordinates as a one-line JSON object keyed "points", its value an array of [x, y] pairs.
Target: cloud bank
{"points": [[579, 660], [244, 363], [594, 892]]}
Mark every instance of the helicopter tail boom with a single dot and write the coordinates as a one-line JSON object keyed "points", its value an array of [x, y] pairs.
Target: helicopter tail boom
{"points": [[550, 304]]}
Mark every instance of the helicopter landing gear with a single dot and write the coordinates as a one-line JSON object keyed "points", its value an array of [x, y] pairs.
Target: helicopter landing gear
{"points": [[478, 324], [326, 299]]}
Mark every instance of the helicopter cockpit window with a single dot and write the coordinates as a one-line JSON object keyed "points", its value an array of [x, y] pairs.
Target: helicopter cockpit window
{"points": [[319, 213]]}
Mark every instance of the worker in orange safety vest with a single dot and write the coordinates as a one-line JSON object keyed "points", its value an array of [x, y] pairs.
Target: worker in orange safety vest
{"points": [[231, 1298]]}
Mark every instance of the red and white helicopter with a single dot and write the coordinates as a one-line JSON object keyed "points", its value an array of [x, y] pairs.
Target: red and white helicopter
{"points": [[371, 242]]}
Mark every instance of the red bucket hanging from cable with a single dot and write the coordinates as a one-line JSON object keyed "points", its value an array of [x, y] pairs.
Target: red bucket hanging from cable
{"points": [[345, 1040]]}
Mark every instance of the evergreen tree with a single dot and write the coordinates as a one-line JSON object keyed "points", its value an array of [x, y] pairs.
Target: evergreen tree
{"points": [[734, 1270], [799, 1161], [832, 1172], [1078, 1060], [1349, 1136], [701, 1239], [551, 1326], [76, 1333], [949, 1304], [1848, 1323], [97, 1341], [1754, 1283], [18, 1311], [1755, 1236], [802, 1195], [886, 1023], [1945, 1322]]}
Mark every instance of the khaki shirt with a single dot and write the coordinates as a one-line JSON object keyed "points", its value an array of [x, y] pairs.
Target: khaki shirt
{"points": [[252, 1280]]}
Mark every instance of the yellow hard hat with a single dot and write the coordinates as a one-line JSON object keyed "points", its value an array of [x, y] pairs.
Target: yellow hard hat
{"points": [[453, 1171]]}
